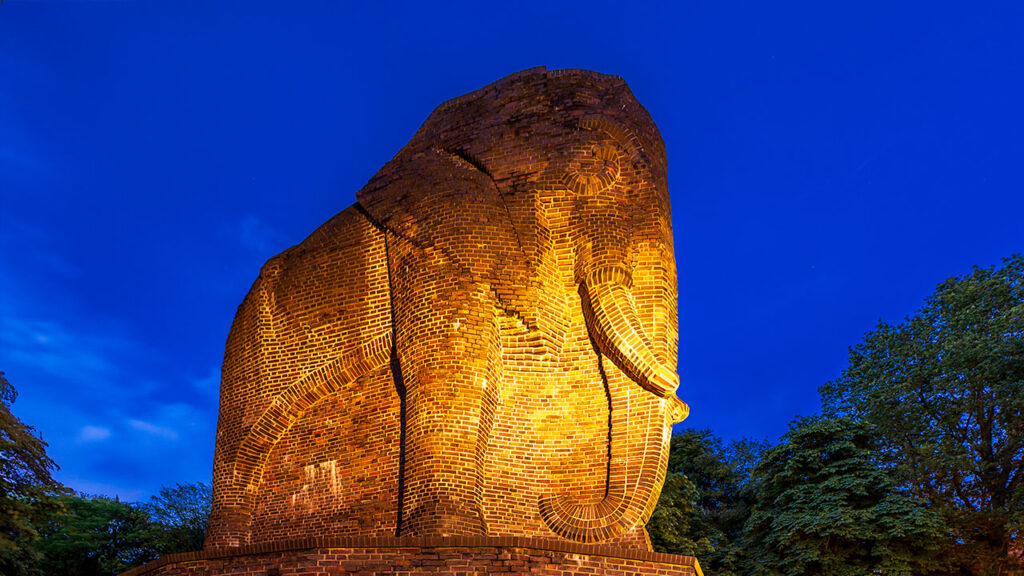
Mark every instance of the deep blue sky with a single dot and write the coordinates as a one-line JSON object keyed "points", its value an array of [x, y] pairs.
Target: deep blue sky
{"points": [[828, 166]]}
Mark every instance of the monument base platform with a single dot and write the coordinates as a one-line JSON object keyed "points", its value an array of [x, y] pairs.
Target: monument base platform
{"points": [[463, 556]]}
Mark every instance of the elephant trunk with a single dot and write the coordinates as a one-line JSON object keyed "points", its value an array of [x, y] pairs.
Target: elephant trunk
{"points": [[641, 419]]}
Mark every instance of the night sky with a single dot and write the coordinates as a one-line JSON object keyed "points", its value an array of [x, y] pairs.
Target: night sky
{"points": [[828, 167]]}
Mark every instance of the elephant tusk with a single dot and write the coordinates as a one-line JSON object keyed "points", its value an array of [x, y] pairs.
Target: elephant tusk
{"points": [[679, 410], [613, 323]]}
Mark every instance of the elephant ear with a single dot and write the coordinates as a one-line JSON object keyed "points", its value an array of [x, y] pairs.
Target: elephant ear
{"points": [[448, 204]]}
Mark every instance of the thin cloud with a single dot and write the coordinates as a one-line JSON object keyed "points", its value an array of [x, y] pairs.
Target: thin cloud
{"points": [[153, 429], [209, 382], [57, 350], [91, 373], [34, 248], [256, 235], [209, 385], [95, 375], [93, 434]]}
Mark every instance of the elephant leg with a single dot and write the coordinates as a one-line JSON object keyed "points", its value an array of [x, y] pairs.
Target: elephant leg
{"points": [[447, 345]]}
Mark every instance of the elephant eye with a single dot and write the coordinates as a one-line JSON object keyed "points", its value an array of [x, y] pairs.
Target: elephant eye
{"points": [[596, 170]]}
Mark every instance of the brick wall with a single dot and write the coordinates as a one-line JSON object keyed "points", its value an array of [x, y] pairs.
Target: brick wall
{"points": [[466, 556], [484, 345]]}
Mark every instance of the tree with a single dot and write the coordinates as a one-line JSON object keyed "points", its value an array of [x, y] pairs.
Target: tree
{"points": [[670, 525], [945, 391], [825, 505], [28, 492], [705, 501], [99, 536], [180, 515]]}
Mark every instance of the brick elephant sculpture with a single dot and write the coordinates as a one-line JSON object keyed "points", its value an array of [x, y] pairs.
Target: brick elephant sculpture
{"points": [[484, 344]]}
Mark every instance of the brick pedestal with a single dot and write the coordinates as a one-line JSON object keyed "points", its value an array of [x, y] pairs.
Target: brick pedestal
{"points": [[462, 556]]}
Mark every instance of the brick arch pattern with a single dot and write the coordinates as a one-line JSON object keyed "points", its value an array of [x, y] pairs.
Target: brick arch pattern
{"points": [[289, 406]]}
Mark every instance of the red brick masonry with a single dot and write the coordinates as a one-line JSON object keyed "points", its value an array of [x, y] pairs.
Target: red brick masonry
{"points": [[485, 344], [463, 555], [472, 370]]}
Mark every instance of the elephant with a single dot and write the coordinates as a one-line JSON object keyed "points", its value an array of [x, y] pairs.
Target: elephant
{"points": [[484, 344]]}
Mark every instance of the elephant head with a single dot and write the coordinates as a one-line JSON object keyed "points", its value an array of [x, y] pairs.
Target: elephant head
{"points": [[568, 170], [624, 272]]}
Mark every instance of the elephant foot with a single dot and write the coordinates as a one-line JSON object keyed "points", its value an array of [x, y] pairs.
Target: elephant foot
{"points": [[444, 519]]}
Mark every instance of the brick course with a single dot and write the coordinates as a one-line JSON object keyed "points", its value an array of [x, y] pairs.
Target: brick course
{"points": [[483, 346], [469, 556]]}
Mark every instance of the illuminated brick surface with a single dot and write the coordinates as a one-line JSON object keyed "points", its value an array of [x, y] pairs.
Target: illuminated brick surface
{"points": [[483, 346], [458, 556]]}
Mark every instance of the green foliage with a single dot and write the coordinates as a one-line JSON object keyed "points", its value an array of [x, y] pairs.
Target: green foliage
{"points": [[826, 505], [670, 523], [945, 392], [98, 536], [705, 501], [28, 492], [179, 516]]}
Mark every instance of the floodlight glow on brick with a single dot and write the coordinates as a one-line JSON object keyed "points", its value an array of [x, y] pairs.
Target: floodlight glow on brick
{"points": [[483, 346]]}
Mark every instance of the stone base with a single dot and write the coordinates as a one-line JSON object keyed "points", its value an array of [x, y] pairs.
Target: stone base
{"points": [[462, 556]]}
